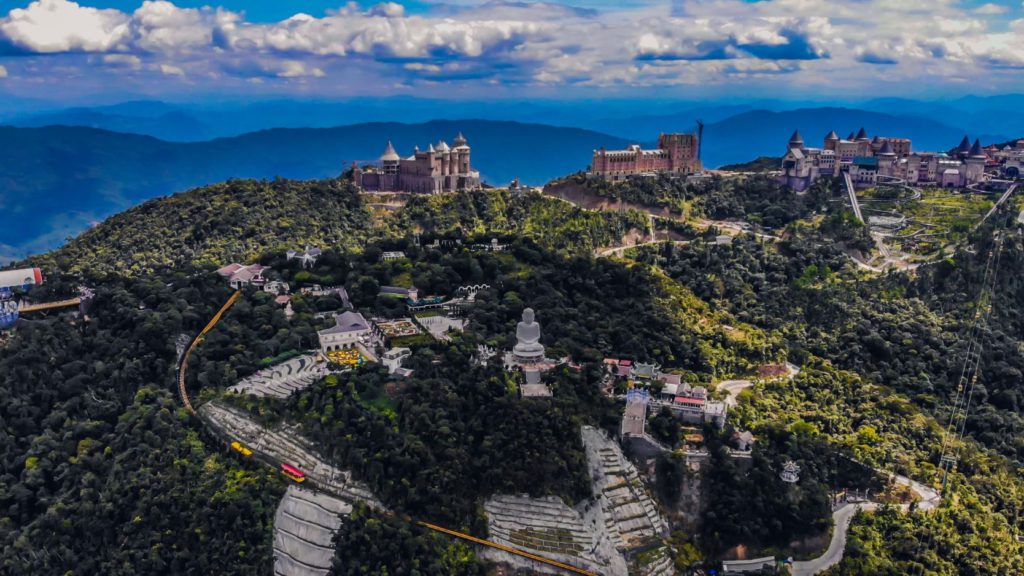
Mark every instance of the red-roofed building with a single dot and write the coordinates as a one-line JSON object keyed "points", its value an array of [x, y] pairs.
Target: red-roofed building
{"points": [[239, 275]]}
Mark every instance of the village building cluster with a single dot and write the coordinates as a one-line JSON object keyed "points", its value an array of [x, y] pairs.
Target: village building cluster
{"points": [[440, 168], [871, 160], [661, 389]]}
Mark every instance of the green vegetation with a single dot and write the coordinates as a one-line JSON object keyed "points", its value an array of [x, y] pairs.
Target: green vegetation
{"points": [[758, 199], [215, 225], [372, 543], [759, 164], [241, 220], [881, 357], [103, 473], [937, 222]]}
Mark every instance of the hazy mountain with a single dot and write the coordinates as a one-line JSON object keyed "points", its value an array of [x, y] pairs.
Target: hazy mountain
{"points": [[647, 127], [55, 181], [633, 119], [973, 114], [749, 135], [172, 124]]}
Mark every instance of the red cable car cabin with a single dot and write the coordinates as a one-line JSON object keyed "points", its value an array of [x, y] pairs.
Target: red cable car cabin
{"points": [[293, 473]]}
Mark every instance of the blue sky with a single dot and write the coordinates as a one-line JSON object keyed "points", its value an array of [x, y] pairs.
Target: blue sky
{"points": [[95, 50]]}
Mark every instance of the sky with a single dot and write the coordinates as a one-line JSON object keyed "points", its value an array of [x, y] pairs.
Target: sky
{"points": [[109, 50]]}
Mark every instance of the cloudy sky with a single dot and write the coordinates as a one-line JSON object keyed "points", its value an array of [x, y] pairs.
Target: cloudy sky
{"points": [[109, 49]]}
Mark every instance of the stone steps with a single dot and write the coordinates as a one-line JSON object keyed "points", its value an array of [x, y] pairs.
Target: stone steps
{"points": [[282, 380], [286, 446], [539, 524], [630, 515], [304, 526]]}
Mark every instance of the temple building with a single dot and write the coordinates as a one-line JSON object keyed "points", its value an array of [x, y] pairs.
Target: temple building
{"points": [[437, 169], [675, 154], [871, 160], [349, 330]]}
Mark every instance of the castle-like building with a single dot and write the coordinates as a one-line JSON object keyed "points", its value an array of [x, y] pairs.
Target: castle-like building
{"points": [[869, 160], [437, 169], [675, 154]]}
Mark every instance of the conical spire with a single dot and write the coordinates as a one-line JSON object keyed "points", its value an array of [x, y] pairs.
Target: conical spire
{"points": [[965, 145], [460, 140], [832, 136], [886, 149], [976, 149], [389, 153], [863, 134], [796, 140]]}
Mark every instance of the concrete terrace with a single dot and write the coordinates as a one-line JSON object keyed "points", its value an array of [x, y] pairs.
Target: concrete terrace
{"points": [[304, 528], [285, 446], [284, 379]]}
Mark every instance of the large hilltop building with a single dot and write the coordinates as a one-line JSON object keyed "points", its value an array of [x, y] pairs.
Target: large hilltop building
{"points": [[868, 160], [675, 154], [437, 169]]}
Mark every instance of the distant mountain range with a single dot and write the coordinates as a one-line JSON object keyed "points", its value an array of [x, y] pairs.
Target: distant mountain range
{"points": [[627, 118], [748, 135], [55, 181], [67, 168]]}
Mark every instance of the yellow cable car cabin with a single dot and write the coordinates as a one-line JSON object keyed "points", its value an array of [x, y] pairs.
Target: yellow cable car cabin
{"points": [[238, 447]]}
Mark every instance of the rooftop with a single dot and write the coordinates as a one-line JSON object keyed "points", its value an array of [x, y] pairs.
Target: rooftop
{"points": [[347, 322]]}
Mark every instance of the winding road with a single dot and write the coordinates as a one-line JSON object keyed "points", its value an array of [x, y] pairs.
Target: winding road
{"points": [[928, 498], [841, 519]]}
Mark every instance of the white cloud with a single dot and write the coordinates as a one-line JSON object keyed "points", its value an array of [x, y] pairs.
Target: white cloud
{"points": [[3, 72], [991, 9], [171, 70], [159, 26], [61, 26], [639, 43], [123, 60], [296, 69]]}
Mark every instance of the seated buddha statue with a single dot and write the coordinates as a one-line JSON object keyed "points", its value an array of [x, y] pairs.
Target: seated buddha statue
{"points": [[528, 346]]}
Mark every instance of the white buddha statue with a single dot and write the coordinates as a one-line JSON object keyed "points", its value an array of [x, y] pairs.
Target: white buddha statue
{"points": [[528, 346]]}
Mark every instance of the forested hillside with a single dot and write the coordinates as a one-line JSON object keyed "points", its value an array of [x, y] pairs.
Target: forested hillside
{"points": [[240, 220], [56, 181], [103, 472]]}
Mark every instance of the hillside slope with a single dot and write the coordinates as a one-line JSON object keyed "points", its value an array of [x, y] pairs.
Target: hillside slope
{"points": [[56, 181], [240, 219]]}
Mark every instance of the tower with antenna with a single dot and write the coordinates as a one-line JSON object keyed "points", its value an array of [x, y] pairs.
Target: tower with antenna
{"points": [[700, 142]]}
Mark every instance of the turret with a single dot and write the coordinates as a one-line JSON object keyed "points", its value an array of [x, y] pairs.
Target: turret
{"points": [[796, 141], [976, 151], [389, 160], [831, 141], [862, 135]]}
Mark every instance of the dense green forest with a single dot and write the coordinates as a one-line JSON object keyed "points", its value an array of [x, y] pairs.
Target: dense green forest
{"points": [[102, 471], [881, 356], [240, 220]]}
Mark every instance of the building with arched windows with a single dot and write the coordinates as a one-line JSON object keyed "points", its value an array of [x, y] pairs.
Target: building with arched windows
{"points": [[440, 168]]}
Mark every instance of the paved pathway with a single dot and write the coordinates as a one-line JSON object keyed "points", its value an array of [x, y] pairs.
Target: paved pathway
{"points": [[841, 519], [734, 387]]}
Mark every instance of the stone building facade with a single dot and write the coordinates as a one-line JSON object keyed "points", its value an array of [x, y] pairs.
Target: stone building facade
{"points": [[675, 154], [437, 169]]}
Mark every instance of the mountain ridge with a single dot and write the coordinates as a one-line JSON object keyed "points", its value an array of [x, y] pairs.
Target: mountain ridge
{"points": [[59, 180]]}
